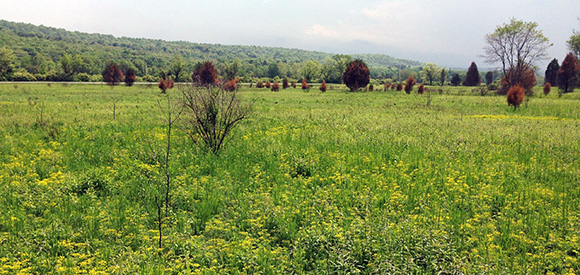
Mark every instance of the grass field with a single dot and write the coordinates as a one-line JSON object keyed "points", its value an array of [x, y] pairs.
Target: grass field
{"points": [[318, 183]]}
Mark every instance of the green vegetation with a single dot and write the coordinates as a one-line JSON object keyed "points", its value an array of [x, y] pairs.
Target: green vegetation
{"points": [[43, 53], [316, 183]]}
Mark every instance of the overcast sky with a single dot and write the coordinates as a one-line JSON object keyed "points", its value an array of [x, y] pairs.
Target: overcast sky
{"points": [[450, 33]]}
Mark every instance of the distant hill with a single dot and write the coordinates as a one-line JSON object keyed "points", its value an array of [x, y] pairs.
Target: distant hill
{"points": [[39, 49]]}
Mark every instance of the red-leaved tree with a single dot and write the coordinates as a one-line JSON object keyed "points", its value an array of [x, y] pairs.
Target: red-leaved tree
{"points": [[285, 83], [165, 84], [525, 77], [268, 84], [130, 77], [393, 86], [515, 96], [112, 74], [409, 84], [356, 75], [568, 72], [205, 74], [293, 84], [260, 84], [400, 87]]}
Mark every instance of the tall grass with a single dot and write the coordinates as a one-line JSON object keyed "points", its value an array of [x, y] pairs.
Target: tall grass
{"points": [[335, 182]]}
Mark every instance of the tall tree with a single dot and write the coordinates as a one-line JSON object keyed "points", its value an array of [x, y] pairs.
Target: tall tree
{"points": [[356, 75], [430, 71], [409, 84], [568, 73], [551, 74], [516, 45], [472, 78], [574, 43], [443, 76]]}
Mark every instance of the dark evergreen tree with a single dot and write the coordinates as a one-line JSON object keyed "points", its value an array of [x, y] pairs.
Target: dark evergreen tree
{"points": [[472, 78], [488, 78], [455, 80], [552, 73]]}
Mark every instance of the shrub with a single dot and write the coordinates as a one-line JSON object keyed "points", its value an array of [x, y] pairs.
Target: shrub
{"points": [[371, 87], [268, 84], [165, 83], [547, 88], [82, 77], [231, 85], [409, 84], [285, 83], [400, 87], [455, 80], [356, 75], [421, 89], [393, 86], [260, 84], [211, 114], [386, 87], [305, 85], [515, 96], [205, 74], [323, 86], [293, 84], [275, 87]]}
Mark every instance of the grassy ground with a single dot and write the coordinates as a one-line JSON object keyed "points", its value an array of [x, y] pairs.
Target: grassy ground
{"points": [[335, 182]]}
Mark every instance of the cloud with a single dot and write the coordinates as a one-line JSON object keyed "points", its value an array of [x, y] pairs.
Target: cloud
{"points": [[322, 31]]}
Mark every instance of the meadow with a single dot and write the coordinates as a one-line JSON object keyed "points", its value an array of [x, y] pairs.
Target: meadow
{"points": [[448, 182]]}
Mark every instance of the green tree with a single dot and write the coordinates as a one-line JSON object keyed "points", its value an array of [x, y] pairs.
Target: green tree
{"points": [[311, 70], [443, 76], [574, 43], [273, 70], [232, 70], [455, 80], [70, 66], [430, 71], [177, 68], [340, 63], [516, 45], [7, 59]]}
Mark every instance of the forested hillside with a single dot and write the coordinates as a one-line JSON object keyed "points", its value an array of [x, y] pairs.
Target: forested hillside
{"points": [[30, 52]]}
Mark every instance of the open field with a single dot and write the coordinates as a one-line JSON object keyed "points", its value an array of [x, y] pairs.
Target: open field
{"points": [[318, 183]]}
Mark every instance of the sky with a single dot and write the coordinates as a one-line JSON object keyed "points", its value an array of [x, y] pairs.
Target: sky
{"points": [[449, 33]]}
